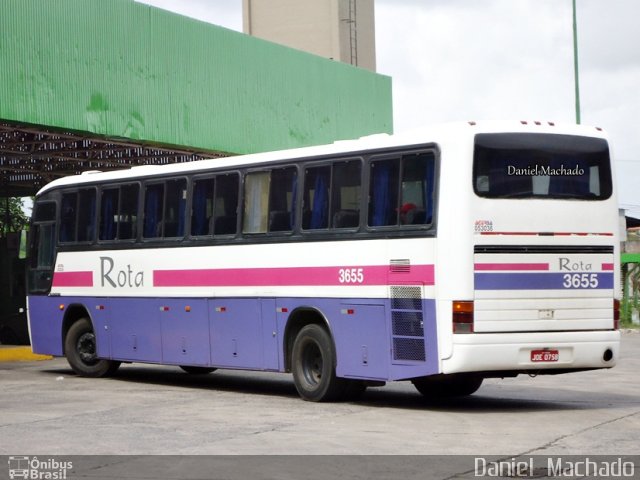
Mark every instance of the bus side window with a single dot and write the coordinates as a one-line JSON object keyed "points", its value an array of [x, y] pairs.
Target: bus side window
{"points": [[68, 217], [153, 202], [417, 189], [256, 202], [128, 215], [119, 212], [202, 206], [77, 216], [315, 206], [109, 206], [383, 192], [175, 208], [214, 208], [401, 191], [269, 204], [86, 215], [345, 194], [225, 210], [282, 199]]}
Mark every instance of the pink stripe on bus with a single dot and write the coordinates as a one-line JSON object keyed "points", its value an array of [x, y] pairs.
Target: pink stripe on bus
{"points": [[607, 266], [511, 266], [292, 276], [73, 279]]}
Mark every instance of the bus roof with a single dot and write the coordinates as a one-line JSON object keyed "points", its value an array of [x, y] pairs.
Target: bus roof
{"points": [[424, 135]]}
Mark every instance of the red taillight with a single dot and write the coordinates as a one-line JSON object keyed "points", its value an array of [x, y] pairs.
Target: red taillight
{"points": [[616, 314], [462, 316]]}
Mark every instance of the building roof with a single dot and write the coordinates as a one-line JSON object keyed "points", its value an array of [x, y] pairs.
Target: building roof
{"points": [[89, 84]]}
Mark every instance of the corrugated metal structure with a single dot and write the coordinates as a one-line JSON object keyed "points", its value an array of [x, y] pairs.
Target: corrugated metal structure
{"points": [[104, 84], [95, 84]]}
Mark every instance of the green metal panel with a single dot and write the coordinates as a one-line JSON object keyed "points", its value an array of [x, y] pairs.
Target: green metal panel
{"points": [[123, 69]]}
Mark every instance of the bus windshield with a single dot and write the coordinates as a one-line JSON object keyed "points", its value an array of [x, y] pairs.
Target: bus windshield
{"points": [[533, 165]]}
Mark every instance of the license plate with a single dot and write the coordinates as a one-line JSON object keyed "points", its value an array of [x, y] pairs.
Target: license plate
{"points": [[544, 355]]}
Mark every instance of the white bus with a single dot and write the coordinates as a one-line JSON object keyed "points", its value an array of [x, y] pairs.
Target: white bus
{"points": [[442, 257]]}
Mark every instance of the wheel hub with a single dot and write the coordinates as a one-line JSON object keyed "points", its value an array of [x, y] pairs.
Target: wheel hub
{"points": [[86, 348]]}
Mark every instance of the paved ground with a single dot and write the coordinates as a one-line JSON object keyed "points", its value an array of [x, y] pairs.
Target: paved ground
{"points": [[45, 409]]}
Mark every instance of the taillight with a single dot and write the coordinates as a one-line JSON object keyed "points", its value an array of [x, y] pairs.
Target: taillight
{"points": [[616, 314], [462, 316]]}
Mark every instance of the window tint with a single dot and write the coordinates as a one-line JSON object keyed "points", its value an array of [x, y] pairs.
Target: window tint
{"points": [[215, 205], [331, 196], [164, 209], [270, 201], [45, 252], [42, 247], [109, 205], [345, 194], [383, 188], [153, 202], [68, 213], [77, 216], [282, 200], [44, 212], [128, 218], [86, 215], [174, 208], [315, 208], [119, 212], [401, 190], [534, 165], [225, 212]]}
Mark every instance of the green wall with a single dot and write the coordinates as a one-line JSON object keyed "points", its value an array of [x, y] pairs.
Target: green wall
{"points": [[123, 69]]}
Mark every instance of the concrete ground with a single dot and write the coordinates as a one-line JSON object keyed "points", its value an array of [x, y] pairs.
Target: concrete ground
{"points": [[148, 409]]}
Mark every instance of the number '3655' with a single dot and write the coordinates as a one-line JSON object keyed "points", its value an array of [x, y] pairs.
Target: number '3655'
{"points": [[351, 275], [580, 280]]}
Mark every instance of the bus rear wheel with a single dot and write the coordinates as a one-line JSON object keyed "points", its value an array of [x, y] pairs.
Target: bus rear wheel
{"points": [[454, 385], [313, 366], [81, 352]]}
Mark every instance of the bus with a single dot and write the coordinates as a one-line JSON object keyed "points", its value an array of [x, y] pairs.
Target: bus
{"points": [[442, 256]]}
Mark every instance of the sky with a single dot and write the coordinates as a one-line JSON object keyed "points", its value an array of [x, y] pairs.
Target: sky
{"points": [[457, 60]]}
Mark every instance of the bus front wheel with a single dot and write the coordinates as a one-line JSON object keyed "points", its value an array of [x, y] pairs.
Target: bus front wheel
{"points": [[313, 366], [81, 352]]}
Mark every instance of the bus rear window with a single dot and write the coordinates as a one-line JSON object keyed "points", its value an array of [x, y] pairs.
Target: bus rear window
{"points": [[534, 165]]}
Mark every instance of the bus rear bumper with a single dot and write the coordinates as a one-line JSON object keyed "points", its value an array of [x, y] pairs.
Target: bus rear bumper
{"points": [[540, 352]]}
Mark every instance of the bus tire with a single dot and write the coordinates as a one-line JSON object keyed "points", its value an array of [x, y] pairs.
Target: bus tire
{"points": [[81, 353], [313, 366], [455, 385], [197, 370]]}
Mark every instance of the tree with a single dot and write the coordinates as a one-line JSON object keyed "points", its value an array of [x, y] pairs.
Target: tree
{"points": [[16, 220]]}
